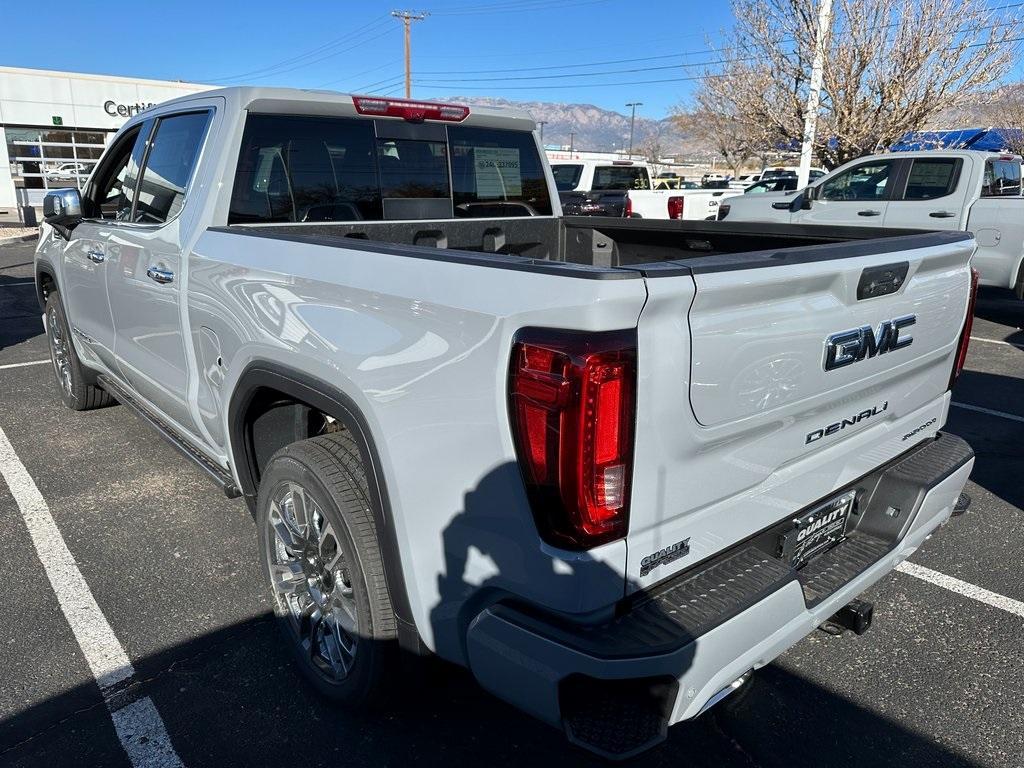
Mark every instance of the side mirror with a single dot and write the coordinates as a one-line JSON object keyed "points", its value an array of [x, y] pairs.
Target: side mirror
{"points": [[62, 209]]}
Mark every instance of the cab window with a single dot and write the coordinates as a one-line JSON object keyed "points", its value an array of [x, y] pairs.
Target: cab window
{"points": [[1002, 179], [867, 181], [932, 177], [567, 176], [172, 156], [110, 195], [611, 177], [496, 173]]}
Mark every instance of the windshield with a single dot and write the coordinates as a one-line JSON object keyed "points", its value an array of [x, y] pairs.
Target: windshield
{"points": [[781, 184], [566, 176]]}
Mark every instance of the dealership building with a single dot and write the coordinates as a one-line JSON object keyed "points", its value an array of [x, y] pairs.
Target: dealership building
{"points": [[55, 125]]}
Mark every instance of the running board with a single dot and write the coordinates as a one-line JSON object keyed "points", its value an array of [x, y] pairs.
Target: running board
{"points": [[223, 480]]}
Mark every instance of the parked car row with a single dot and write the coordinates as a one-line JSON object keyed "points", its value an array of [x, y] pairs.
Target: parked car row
{"points": [[962, 190]]}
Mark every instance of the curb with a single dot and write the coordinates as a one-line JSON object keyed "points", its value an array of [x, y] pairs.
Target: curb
{"points": [[15, 240]]}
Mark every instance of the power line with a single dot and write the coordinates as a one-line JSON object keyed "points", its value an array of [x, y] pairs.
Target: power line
{"points": [[685, 65], [360, 74], [312, 52], [515, 6]]}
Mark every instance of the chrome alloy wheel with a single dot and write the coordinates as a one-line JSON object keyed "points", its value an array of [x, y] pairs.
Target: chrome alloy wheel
{"points": [[311, 580], [60, 352]]}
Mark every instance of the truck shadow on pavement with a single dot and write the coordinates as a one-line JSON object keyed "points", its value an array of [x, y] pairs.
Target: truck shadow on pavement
{"points": [[995, 440], [19, 310], [232, 697], [1001, 307]]}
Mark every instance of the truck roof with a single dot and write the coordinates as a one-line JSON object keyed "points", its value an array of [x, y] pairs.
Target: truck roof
{"points": [[322, 102], [943, 153]]}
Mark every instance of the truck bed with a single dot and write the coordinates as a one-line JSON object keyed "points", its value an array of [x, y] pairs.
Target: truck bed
{"points": [[604, 244]]}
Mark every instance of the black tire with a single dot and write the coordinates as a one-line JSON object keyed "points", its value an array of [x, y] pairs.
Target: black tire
{"points": [[76, 384], [329, 471], [1018, 289]]}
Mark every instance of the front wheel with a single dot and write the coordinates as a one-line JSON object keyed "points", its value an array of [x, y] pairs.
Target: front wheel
{"points": [[324, 566], [75, 383]]}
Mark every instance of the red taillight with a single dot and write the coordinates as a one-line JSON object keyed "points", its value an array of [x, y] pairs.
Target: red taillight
{"points": [[675, 207], [965, 334], [628, 210], [572, 402], [414, 111]]}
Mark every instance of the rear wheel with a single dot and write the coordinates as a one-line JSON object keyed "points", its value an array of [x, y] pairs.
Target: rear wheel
{"points": [[76, 384], [324, 566], [1018, 289]]}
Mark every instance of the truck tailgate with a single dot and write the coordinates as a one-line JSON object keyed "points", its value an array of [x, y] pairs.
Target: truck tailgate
{"points": [[740, 423]]}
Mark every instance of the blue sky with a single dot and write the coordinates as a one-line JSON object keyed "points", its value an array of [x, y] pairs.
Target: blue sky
{"points": [[353, 45], [603, 52]]}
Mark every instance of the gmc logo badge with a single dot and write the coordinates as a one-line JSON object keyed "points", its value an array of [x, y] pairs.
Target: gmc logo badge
{"points": [[848, 347]]}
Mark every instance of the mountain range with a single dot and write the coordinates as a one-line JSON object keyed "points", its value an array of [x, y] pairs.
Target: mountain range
{"points": [[586, 126]]}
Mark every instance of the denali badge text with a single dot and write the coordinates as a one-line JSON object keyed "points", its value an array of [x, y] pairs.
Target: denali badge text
{"points": [[856, 418], [666, 555], [848, 347]]}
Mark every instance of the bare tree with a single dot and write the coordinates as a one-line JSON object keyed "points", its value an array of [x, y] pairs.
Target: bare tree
{"points": [[890, 66], [1005, 111], [719, 125]]}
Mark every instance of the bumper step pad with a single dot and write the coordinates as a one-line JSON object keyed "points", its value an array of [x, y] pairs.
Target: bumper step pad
{"points": [[831, 570]]}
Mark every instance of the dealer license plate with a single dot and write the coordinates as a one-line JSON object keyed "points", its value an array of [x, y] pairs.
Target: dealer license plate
{"points": [[816, 531]]}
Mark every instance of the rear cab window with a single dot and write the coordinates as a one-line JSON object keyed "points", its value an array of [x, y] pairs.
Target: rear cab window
{"points": [[1002, 178], [567, 176], [611, 177], [295, 168]]}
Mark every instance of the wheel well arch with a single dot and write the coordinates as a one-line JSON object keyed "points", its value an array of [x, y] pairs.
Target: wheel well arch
{"points": [[46, 282], [271, 388]]}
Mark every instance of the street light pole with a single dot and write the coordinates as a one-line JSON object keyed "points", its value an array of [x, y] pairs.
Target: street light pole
{"points": [[632, 120], [542, 123], [814, 94]]}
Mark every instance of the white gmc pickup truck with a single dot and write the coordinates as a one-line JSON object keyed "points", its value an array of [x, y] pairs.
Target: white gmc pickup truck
{"points": [[610, 466], [624, 188], [964, 190]]}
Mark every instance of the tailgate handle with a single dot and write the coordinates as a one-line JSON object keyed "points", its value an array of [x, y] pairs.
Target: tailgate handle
{"points": [[883, 280]]}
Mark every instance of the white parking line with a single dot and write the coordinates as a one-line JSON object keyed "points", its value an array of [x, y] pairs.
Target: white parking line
{"points": [[20, 282], [1003, 603], [22, 365], [989, 411], [139, 726], [996, 341]]}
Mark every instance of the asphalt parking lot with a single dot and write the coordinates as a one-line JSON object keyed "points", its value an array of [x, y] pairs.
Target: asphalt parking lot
{"points": [[172, 565]]}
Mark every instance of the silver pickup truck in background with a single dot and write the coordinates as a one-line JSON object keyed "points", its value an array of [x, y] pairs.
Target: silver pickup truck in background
{"points": [[951, 190], [611, 466]]}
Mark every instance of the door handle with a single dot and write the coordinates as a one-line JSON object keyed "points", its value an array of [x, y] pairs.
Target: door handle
{"points": [[942, 214], [97, 257], [162, 276], [869, 213]]}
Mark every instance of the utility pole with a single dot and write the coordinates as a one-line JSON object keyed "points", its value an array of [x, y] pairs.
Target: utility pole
{"points": [[632, 120], [572, 142], [814, 94], [408, 17], [542, 123]]}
